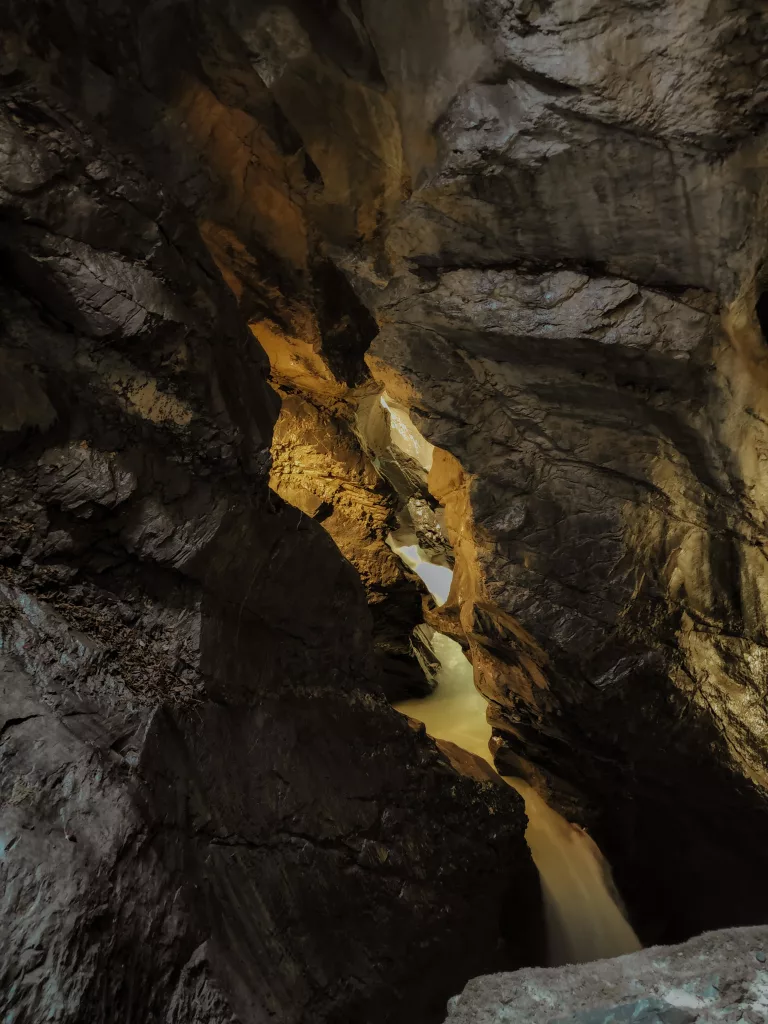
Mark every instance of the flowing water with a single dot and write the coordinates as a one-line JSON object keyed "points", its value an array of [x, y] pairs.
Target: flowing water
{"points": [[437, 578], [584, 921]]}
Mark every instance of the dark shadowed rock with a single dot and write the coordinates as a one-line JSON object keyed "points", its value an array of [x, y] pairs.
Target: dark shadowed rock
{"points": [[147, 873], [209, 813]]}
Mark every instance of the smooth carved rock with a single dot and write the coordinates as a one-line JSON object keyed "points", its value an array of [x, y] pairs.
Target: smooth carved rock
{"points": [[145, 874]]}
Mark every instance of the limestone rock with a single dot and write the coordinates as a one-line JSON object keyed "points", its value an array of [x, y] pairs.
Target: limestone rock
{"points": [[719, 976], [569, 310], [556, 215]]}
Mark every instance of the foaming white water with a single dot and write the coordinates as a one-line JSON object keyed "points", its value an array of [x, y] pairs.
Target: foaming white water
{"points": [[437, 578], [584, 921]]}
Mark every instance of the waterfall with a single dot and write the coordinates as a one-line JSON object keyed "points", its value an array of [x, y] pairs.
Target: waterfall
{"points": [[583, 920]]}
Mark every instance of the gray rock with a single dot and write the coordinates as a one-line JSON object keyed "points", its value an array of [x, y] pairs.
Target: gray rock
{"points": [[710, 978]]}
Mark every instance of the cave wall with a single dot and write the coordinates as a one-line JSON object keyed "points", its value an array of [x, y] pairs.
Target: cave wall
{"points": [[555, 213], [576, 325], [209, 812], [559, 223], [320, 467]]}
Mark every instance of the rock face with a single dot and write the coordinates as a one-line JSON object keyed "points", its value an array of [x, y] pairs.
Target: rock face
{"points": [[611, 579], [560, 228], [208, 812], [555, 216], [145, 874], [576, 323], [719, 976], [319, 466]]}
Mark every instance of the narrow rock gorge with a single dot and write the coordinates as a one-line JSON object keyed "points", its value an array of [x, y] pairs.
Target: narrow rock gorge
{"points": [[298, 299]]}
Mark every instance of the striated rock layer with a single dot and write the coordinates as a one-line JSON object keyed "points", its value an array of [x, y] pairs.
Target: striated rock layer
{"points": [[573, 312]]}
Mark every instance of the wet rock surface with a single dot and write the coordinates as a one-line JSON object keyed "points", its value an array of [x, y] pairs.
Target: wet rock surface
{"points": [[719, 976], [208, 811], [319, 466], [554, 215], [568, 299], [610, 586]]}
